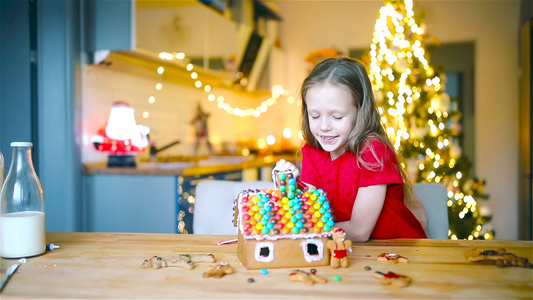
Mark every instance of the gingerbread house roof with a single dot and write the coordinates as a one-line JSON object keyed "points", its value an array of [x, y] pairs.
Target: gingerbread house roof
{"points": [[285, 212]]}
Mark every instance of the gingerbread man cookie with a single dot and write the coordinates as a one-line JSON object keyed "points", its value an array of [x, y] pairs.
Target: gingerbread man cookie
{"points": [[307, 278], [339, 247], [218, 271], [501, 257], [181, 260], [396, 280], [392, 258]]}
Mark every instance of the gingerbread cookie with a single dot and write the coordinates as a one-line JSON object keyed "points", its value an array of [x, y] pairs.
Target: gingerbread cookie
{"points": [[339, 247], [392, 258], [218, 271], [307, 278], [181, 260], [396, 280], [501, 257]]}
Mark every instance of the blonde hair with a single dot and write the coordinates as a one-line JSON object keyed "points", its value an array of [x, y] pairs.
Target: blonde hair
{"points": [[352, 74]]}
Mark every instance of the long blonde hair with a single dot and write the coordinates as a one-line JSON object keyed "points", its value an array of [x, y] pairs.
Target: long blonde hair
{"points": [[352, 74]]}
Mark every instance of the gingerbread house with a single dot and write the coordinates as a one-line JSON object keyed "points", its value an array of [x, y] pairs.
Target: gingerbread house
{"points": [[283, 227]]}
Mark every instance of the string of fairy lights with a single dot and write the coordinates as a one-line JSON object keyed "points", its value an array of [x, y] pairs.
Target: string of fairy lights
{"points": [[277, 92]]}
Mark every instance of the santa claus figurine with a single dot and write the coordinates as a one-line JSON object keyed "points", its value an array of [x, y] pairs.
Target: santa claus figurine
{"points": [[121, 137]]}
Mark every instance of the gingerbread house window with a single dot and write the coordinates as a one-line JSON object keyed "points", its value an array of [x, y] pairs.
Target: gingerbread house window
{"points": [[264, 252], [313, 249]]}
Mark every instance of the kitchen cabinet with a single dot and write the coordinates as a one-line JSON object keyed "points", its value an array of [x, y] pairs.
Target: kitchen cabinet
{"points": [[152, 199], [126, 203]]}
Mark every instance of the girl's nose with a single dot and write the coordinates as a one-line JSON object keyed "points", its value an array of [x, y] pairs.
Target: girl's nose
{"points": [[325, 124]]}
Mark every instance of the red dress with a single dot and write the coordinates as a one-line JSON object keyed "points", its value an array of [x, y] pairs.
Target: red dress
{"points": [[342, 177]]}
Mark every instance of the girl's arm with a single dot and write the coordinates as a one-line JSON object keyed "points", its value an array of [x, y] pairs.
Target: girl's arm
{"points": [[365, 213], [283, 165]]}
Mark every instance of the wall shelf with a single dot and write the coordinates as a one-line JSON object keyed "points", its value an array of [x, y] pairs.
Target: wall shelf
{"points": [[144, 63]]}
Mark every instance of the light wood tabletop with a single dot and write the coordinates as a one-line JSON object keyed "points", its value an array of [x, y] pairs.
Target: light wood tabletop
{"points": [[108, 265]]}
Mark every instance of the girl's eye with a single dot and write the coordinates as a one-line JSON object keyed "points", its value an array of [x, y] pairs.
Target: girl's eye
{"points": [[338, 117], [314, 117]]}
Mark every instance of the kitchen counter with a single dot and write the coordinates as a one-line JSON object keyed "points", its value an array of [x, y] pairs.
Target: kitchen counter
{"points": [[158, 197], [108, 265], [203, 167]]}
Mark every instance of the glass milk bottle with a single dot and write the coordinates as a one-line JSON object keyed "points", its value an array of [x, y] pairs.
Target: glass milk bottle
{"points": [[1, 170], [22, 225]]}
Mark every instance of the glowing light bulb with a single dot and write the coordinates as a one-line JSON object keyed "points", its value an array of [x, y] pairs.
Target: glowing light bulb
{"points": [[287, 133]]}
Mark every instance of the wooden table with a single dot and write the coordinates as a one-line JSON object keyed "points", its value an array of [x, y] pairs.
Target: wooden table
{"points": [[108, 265]]}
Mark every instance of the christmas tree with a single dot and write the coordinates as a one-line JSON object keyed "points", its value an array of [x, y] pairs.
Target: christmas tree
{"points": [[421, 120]]}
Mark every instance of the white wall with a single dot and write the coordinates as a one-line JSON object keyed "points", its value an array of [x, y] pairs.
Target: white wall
{"points": [[170, 114], [492, 25]]}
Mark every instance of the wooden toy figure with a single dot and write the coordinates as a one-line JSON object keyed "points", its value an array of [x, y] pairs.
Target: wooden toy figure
{"points": [[339, 249], [200, 125]]}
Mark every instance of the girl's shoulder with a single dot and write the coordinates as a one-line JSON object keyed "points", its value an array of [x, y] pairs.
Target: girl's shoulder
{"points": [[311, 153], [376, 145], [310, 150]]}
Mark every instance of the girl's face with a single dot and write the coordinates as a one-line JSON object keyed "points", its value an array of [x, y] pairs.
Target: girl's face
{"points": [[331, 115]]}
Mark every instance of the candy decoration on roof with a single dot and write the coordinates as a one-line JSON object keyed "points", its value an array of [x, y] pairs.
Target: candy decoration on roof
{"points": [[286, 210]]}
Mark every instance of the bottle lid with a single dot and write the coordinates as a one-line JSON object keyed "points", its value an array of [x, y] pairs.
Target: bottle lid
{"points": [[21, 144]]}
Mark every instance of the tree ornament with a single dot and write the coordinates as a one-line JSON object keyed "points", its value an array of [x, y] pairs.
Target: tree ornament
{"points": [[400, 65], [378, 96], [441, 101], [456, 151]]}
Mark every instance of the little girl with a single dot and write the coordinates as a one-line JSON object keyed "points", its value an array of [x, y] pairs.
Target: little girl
{"points": [[348, 155]]}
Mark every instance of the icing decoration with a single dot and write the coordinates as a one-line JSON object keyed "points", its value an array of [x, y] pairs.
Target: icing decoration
{"points": [[393, 278], [264, 252], [311, 256]]}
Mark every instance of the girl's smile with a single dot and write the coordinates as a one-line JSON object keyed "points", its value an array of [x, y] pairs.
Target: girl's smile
{"points": [[331, 114], [328, 139]]}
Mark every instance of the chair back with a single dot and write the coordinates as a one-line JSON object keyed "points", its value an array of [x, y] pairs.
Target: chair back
{"points": [[213, 208], [434, 197]]}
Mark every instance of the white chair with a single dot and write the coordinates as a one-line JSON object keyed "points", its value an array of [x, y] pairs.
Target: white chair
{"points": [[213, 208], [434, 197]]}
